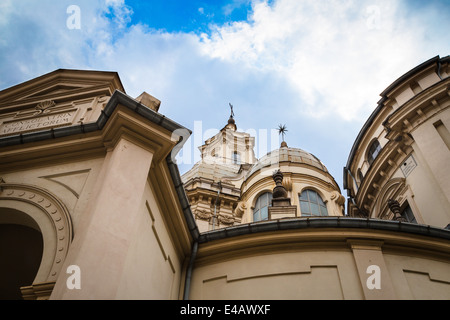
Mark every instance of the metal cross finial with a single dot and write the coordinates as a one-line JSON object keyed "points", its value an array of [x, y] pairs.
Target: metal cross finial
{"points": [[282, 129], [232, 112]]}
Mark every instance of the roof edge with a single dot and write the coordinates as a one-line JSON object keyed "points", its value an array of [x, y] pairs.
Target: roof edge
{"points": [[117, 98], [325, 222], [435, 60]]}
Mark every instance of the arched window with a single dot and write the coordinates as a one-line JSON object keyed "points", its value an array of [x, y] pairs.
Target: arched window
{"points": [[374, 150], [261, 210], [311, 204]]}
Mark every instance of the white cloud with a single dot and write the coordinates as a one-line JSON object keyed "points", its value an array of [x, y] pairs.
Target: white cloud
{"points": [[120, 11], [233, 5], [338, 54], [329, 60]]}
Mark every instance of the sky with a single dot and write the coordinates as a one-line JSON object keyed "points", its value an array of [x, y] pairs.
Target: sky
{"points": [[315, 66]]}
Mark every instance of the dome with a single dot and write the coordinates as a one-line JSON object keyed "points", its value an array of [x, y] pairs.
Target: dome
{"points": [[286, 154], [211, 170]]}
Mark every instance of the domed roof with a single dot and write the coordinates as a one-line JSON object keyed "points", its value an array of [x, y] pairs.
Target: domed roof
{"points": [[286, 154], [211, 170]]}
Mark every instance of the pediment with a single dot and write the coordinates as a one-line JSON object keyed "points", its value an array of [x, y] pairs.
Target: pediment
{"points": [[56, 89], [61, 85], [60, 98]]}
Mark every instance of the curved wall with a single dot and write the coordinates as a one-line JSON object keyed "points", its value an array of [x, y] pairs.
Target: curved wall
{"points": [[411, 124], [323, 259]]}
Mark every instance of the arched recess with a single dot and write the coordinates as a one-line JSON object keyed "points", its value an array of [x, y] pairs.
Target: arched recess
{"points": [[393, 189], [35, 207], [20, 256]]}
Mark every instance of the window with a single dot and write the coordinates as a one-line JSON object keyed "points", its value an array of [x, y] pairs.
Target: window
{"points": [[408, 215], [236, 158], [374, 150], [261, 210], [311, 204]]}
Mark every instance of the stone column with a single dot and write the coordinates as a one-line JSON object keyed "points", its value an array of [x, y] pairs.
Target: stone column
{"points": [[102, 239]]}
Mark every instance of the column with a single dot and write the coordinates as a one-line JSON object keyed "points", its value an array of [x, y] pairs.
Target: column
{"points": [[101, 241]]}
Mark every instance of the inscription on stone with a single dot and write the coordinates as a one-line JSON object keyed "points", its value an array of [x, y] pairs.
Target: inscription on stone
{"points": [[37, 123], [408, 166]]}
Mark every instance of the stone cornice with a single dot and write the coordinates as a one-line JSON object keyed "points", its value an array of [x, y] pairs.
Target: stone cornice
{"points": [[330, 232]]}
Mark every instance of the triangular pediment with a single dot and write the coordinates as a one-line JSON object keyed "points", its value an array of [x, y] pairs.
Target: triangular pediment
{"points": [[61, 85], [56, 89]]}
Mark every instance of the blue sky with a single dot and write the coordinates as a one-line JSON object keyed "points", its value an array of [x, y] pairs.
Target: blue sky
{"points": [[316, 66], [188, 16]]}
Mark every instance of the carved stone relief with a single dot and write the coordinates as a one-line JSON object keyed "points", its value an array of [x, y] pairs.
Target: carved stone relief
{"points": [[55, 211]]}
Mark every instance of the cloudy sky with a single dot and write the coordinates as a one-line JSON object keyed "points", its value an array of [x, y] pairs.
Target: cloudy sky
{"points": [[317, 66]]}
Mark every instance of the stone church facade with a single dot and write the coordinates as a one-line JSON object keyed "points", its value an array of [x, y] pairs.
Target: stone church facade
{"points": [[89, 188]]}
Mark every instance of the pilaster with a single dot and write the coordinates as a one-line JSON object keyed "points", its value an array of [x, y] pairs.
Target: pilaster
{"points": [[101, 243]]}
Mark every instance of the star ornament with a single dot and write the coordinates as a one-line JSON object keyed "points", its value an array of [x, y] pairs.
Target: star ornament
{"points": [[282, 129]]}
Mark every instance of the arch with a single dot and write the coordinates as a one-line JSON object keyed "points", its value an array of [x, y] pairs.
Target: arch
{"points": [[318, 191], [312, 203], [37, 208], [391, 190], [256, 196], [21, 248], [261, 207]]}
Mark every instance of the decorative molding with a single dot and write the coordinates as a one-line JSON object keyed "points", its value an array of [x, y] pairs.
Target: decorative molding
{"points": [[38, 291], [165, 255], [44, 105], [391, 190], [73, 181], [54, 209], [226, 220], [240, 209], [202, 215]]}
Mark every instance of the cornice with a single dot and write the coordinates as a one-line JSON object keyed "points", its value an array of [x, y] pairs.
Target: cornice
{"points": [[381, 170], [313, 233], [399, 127], [94, 138], [66, 77], [435, 61], [421, 107]]}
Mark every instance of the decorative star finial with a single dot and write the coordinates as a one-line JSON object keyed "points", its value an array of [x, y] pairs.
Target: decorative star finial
{"points": [[282, 129]]}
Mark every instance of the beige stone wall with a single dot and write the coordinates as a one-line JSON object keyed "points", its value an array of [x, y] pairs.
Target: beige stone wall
{"points": [[72, 181], [417, 278], [104, 199], [323, 264], [53, 195], [300, 275], [152, 268]]}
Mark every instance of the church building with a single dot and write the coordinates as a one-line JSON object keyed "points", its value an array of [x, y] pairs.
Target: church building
{"points": [[93, 206]]}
